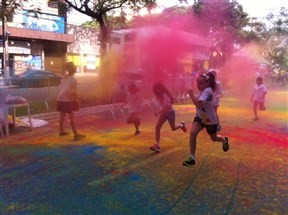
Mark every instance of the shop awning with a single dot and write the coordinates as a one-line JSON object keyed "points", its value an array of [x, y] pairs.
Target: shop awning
{"points": [[39, 35]]}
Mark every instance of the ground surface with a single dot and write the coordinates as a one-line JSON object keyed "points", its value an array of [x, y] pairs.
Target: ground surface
{"points": [[114, 172]]}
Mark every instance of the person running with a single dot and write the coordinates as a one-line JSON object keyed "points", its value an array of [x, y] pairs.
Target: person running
{"points": [[135, 103], [205, 115], [165, 112], [217, 94], [66, 99], [258, 96]]}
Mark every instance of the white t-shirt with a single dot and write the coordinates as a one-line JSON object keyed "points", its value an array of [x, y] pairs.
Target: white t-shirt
{"points": [[207, 113], [259, 92], [68, 84], [135, 102]]}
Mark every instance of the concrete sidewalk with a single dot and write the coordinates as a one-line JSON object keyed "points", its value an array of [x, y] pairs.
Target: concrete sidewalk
{"points": [[114, 172]]}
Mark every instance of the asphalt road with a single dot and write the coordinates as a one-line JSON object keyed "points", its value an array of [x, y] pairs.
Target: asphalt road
{"points": [[114, 172]]}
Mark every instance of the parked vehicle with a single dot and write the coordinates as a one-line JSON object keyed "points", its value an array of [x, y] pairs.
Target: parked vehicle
{"points": [[36, 78]]}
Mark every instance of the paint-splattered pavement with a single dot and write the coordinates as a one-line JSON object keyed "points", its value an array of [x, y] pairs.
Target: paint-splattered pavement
{"points": [[114, 172]]}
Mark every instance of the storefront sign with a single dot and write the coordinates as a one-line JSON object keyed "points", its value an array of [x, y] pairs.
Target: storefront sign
{"points": [[17, 47], [43, 22]]}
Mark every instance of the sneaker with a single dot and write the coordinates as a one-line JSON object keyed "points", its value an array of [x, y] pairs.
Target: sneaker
{"points": [[189, 162], [183, 127], [137, 132], [63, 133], [155, 148], [256, 118], [79, 136], [225, 144]]}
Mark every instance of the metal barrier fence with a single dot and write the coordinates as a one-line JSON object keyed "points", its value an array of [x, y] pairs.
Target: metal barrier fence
{"points": [[31, 89], [116, 93]]}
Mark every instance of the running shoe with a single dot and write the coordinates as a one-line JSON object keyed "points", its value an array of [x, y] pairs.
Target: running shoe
{"points": [[63, 133], [183, 127], [137, 132], [79, 137], [189, 162], [155, 147], [225, 144]]}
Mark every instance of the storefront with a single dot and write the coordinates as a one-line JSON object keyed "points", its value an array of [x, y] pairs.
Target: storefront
{"points": [[38, 42]]}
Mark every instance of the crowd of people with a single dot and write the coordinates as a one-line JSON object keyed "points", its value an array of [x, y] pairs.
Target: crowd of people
{"points": [[203, 89], [205, 97]]}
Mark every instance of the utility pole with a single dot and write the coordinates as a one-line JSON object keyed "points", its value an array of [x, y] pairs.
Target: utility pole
{"points": [[5, 59]]}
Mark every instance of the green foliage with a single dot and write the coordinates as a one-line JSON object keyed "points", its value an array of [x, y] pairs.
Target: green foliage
{"points": [[222, 21], [91, 24], [273, 35], [100, 11], [8, 7], [115, 23]]}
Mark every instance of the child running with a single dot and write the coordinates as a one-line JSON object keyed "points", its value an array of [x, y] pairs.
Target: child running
{"points": [[258, 96], [205, 115], [135, 103], [165, 112]]}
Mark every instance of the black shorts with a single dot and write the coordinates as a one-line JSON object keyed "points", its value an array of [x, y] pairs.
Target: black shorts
{"points": [[65, 107], [211, 129]]}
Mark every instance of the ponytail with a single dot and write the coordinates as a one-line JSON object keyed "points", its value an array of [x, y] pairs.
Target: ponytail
{"points": [[212, 80], [209, 76]]}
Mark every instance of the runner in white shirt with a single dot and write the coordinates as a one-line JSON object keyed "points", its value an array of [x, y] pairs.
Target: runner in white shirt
{"points": [[205, 115], [258, 96]]}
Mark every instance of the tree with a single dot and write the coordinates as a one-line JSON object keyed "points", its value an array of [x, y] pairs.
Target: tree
{"points": [[223, 21], [114, 22], [271, 35], [8, 8], [277, 38], [100, 9]]}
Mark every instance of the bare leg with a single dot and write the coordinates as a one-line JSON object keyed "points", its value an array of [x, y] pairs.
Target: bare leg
{"points": [[72, 123], [130, 118], [196, 128], [255, 105], [161, 119], [137, 123], [173, 126], [171, 120], [217, 138], [61, 121], [216, 108]]}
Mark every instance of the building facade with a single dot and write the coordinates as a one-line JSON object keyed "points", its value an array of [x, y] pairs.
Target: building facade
{"points": [[37, 41]]}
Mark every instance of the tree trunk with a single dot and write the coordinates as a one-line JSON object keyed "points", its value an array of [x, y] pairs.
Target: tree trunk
{"points": [[103, 37], [106, 86]]}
